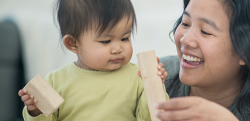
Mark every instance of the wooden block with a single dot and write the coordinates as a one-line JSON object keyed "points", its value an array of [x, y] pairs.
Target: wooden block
{"points": [[153, 85], [48, 100]]}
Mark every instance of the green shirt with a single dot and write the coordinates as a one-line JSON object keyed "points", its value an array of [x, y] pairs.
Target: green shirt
{"points": [[97, 96], [175, 88]]}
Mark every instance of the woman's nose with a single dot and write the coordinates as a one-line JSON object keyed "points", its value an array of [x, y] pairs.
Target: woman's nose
{"points": [[189, 39]]}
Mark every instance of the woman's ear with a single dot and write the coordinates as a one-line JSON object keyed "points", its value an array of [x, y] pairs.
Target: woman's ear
{"points": [[70, 43], [242, 63]]}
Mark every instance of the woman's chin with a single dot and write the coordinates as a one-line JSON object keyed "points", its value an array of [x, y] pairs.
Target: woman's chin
{"points": [[187, 79]]}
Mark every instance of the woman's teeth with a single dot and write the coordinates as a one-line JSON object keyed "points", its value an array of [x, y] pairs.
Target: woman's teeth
{"points": [[191, 58]]}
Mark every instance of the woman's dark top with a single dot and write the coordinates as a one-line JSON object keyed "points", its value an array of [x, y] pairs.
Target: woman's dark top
{"points": [[175, 88]]}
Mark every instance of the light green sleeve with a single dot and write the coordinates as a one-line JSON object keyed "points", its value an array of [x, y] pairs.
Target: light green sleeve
{"points": [[41, 117], [142, 110]]}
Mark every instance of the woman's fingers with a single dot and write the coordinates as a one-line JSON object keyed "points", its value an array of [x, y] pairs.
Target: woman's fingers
{"points": [[175, 104], [176, 109], [193, 109], [175, 115]]}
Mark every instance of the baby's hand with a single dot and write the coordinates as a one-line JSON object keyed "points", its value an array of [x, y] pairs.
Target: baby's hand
{"points": [[161, 71], [30, 102]]}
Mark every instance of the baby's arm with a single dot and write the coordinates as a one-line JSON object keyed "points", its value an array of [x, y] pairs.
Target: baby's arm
{"points": [[30, 102]]}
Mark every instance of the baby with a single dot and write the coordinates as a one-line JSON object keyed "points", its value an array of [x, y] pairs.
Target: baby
{"points": [[102, 84]]}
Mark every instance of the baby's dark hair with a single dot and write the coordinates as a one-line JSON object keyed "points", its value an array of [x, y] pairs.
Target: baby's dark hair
{"points": [[77, 16]]}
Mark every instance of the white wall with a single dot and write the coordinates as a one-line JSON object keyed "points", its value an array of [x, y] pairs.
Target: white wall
{"points": [[40, 36]]}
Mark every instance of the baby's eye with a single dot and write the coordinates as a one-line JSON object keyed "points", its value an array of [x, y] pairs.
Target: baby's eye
{"points": [[125, 39], [105, 42], [203, 32]]}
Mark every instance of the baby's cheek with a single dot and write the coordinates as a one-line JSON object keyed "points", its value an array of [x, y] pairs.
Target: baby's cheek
{"points": [[128, 57]]}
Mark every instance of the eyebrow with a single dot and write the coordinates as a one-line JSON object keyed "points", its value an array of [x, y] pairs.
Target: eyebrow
{"points": [[107, 35], [211, 23], [129, 31]]}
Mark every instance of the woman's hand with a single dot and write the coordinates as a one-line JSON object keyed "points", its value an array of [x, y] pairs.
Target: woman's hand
{"points": [[161, 71], [193, 109]]}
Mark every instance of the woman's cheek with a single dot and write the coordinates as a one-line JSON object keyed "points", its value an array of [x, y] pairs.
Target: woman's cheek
{"points": [[178, 35]]}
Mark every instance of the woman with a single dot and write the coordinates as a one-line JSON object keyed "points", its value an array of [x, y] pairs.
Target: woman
{"points": [[212, 38]]}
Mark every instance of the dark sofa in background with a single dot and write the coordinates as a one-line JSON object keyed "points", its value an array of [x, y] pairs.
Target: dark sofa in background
{"points": [[11, 72]]}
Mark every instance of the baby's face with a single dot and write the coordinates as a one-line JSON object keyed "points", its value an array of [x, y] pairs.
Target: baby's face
{"points": [[108, 51]]}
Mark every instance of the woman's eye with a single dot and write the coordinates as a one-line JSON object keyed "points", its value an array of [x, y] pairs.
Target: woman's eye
{"points": [[125, 39], [184, 24], [203, 32], [105, 42]]}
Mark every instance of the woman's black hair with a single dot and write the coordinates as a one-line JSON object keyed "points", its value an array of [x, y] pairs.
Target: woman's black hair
{"points": [[77, 16], [238, 12]]}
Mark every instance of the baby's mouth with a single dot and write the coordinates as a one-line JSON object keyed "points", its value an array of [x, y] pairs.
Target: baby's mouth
{"points": [[192, 60], [117, 60]]}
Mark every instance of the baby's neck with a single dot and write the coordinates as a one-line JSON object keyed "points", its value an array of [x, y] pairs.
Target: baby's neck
{"points": [[83, 67]]}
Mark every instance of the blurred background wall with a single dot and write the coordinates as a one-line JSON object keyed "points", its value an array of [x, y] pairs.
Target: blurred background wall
{"points": [[29, 43]]}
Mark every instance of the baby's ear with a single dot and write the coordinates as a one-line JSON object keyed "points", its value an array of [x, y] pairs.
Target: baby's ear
{"points": [[69, 42]]}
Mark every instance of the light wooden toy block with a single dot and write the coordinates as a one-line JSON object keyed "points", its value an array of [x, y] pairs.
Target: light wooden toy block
{"points": [[48, 100], [153, 85]]}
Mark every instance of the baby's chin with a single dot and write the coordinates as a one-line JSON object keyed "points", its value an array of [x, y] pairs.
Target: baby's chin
{"points": [[112, 67], [115, 68], [109, 69]]}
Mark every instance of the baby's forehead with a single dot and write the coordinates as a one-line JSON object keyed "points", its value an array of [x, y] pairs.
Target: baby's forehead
{"points": [[106, 29], [109, 28]]}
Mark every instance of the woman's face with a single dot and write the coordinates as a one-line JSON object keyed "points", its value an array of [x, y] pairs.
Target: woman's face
{"points": [[204, 46]]}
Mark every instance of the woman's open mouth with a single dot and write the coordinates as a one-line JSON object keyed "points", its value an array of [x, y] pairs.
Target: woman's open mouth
{"points": [[191, 61]]}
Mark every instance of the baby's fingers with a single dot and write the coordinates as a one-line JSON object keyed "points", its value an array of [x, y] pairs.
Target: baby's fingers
{"points": [[164, 76], [161, 72], [160, 65], [158, 59], [22, 92], [30, 102], [139, 73], [31, 107], [26, 97]]}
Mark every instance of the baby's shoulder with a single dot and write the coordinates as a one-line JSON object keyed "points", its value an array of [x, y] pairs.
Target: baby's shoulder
{"points": [[62, 71]]}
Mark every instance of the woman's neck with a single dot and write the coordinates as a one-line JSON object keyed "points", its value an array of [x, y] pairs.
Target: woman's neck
{"points": [[223, 95]]}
